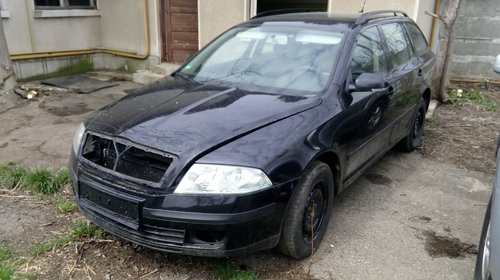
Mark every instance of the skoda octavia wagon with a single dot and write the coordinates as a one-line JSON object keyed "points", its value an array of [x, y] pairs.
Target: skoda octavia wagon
{"points": [[245, 146]]}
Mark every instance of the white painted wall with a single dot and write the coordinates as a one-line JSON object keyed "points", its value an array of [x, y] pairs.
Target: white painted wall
{"points": [[216, 16], [116, 24]]}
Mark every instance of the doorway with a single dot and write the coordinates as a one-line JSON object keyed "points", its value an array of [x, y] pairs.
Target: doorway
{"points": [[179, 29], [268, 5]]}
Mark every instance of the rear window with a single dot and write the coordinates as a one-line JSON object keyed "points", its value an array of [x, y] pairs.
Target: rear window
{"points": [[417, 37]]}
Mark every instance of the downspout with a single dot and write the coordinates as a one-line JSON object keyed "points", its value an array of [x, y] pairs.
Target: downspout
{"points": [[433, 26], [35, 55]]}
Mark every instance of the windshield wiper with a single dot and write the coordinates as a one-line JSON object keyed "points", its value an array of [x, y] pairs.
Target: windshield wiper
{"points": [[184, 76]]}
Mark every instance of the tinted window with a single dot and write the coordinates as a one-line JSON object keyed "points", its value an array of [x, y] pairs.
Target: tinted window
{"points": [[416, 36], [397, 43], [368, 53]]}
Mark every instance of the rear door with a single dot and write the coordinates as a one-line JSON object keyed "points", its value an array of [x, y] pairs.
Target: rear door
{"points": [[403, 76]]}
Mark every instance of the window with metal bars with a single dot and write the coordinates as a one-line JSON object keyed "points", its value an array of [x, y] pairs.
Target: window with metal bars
{"points": [[65, 4]]}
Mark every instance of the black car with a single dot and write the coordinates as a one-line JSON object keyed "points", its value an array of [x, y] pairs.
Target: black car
{"points": [[244, 147]]}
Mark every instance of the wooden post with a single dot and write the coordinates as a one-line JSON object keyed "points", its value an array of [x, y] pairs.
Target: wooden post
{"points": [[443, 54], [7, 76]]}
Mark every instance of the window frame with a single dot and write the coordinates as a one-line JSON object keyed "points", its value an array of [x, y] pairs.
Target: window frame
{"points": [[64, 5], [383, 44], [411, 50], [416, 52]]}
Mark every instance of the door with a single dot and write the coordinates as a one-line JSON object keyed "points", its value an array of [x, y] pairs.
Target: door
{"points": [[370, 112], [179, 29], [404, 76]]}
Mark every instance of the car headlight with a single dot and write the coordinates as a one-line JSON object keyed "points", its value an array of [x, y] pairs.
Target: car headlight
{"points": [[77, 139], [222, 179]]}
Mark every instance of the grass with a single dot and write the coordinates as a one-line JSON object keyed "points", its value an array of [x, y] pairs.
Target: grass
{"points": [[460, 97], [39, 180], [227, 271], [65, 206], [6, 272], [79, 230]]}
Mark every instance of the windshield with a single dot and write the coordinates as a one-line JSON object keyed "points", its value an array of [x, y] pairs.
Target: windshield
{"points": [[274, 59]]}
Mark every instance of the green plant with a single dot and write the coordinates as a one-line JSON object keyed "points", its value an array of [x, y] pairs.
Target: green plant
{"points": [[227, 271], [79, 230], [67, 206], [6, 272], [11, 175], [39, 180], [4, 252]]}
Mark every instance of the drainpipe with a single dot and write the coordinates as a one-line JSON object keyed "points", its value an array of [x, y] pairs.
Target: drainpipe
{"points": [[433, 27], [35, 55]]}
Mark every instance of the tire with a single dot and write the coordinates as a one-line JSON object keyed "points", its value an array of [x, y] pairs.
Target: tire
{"points": [[414, 138], [481, 271], [303, 227]]}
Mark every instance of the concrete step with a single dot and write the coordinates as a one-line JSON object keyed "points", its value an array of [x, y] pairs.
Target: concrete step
{"points": [[165, 68], [110, 75], [146, 77]]}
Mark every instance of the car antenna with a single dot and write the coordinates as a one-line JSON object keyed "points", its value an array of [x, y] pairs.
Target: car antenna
{"points": [[363, 7]]}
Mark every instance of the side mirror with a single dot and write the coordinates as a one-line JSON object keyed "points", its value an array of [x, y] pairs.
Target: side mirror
{"points": [[496, 65], [370, 81]]}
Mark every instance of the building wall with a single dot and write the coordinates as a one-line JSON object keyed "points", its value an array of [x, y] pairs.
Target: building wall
{"points": [[415, 9], [476, 40], [116, 25], [47, 33], [216, 16]]}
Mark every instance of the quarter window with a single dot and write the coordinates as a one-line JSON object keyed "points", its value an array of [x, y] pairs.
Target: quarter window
{"points": [[417, 38], [397, 43], [65, 4], [368, 55]]}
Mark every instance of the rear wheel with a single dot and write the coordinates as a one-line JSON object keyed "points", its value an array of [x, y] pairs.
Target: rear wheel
{"points": [[414, 138], [308, 213]]}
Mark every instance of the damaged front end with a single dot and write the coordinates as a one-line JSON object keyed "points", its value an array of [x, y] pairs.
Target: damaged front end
{"points": [[122, 187]]}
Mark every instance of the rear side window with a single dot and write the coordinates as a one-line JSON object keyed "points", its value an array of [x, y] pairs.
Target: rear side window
{"points": [[399, 48], [368, 55], [417, 37]]}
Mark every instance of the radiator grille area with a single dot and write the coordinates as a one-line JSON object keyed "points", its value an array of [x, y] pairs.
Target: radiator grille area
{"points": [[125, 159]]}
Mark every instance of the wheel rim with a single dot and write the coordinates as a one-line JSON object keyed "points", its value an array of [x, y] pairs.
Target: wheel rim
{"points": [[315, 211], [486, 255], [419, 124]]}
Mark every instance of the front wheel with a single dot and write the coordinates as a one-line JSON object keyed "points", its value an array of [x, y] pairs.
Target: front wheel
{"points": [[308, 212], [414, 138]]}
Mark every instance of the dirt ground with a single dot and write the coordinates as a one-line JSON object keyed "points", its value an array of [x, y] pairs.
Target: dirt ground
{"points": [[411, 216], [465, 134]]}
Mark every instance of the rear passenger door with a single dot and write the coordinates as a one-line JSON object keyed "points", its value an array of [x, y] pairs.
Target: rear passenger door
{"points": [[403, 75]]}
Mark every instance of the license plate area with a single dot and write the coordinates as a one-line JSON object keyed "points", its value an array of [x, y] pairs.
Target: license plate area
{"points": [[119, 207]]}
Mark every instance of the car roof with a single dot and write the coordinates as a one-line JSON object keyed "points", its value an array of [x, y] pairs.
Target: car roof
{"points": [[328, 18]]}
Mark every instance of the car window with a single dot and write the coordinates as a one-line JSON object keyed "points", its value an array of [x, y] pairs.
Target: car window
{"points": [[417, 37], [368, 54], [397, 43], [274, 59]]}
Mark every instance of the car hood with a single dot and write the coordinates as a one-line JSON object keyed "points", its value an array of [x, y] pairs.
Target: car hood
{"points": [[187, 119]]}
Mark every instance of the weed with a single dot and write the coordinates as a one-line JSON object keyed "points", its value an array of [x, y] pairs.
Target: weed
{"points": [[491, 106], [459, 97], [227, 271], [79, 230], [4, 252], [67, 206], [11, 175], [6, 272], [432, 123], [39, 180]]}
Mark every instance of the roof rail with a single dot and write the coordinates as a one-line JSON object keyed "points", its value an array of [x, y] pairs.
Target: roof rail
{"points": [[285, 11], [366, 16]]}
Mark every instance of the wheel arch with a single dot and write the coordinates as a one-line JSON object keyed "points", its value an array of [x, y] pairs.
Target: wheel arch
{"points": [[332, 160], [427, 97]]}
